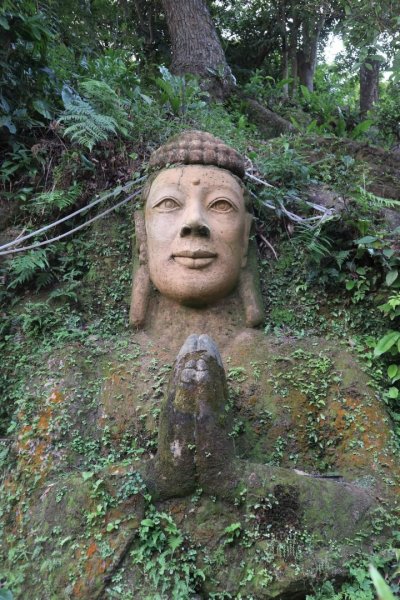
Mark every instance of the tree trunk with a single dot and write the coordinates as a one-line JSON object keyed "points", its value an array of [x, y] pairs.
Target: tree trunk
{"points": [[196, 49], [269, 123], [293, 39], [305, 71], [307, 55], [285, 48], [369, 85], [195, 45]]}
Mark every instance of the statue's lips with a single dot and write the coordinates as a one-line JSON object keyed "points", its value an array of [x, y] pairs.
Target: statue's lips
{"points": [[194, 259]]}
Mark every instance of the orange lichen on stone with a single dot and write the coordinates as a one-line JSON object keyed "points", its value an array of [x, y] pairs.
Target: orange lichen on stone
{"points": [[364, 438], [91, 550], [56, 397], [44, 419], [95, 566], [34, 441]]}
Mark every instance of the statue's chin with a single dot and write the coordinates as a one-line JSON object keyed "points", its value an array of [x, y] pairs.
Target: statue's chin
{"points": [[193, 297]]}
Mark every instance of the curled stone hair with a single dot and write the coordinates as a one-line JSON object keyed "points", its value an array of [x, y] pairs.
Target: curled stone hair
{"points": [[198, 148]]}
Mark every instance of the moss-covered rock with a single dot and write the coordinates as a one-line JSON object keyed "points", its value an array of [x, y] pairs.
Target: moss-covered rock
{"points": [[317, 465]]}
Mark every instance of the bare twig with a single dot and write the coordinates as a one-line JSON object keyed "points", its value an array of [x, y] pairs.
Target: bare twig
{"points": [[270, 246]]}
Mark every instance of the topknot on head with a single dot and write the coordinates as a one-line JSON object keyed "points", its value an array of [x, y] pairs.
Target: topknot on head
{"points": [[194, 147]]}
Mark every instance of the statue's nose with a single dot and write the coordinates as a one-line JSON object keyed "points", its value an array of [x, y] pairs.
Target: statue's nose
{"points": [[195, 222], [196, 229]]}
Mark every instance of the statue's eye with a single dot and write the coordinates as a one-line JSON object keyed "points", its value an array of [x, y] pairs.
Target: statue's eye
{"points": [[221, 205], [167, 204]]}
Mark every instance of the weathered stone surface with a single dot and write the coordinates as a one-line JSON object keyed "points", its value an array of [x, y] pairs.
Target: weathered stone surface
{"points": [[286, 517], [194, 447]]}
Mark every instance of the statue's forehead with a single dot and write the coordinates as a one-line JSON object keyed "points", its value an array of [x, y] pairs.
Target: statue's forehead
{"points": [[196, 175]]}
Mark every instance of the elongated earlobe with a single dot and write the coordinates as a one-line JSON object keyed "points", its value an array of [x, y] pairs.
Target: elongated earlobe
{"points": [[249, 288], [141, 284], [246, 238]]}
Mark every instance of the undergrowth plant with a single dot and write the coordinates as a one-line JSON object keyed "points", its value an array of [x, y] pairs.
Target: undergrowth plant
{"points": [[166, 557], [88, 121], [182, 93], [56, 199]]}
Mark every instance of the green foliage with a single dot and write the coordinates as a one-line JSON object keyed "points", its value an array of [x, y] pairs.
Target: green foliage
{"points": [[115, 67], [84, 123], [107, 102], [316, 243], [26, 85], [28, 266], [383, 590], [266, 90], [46, 202], [232, 532], [166, 557], [181, 93], [329, 115], [388, 112], [285, 166]]}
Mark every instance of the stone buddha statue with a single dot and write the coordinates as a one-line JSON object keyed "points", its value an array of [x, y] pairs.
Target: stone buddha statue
{"points": [[278, 440]]}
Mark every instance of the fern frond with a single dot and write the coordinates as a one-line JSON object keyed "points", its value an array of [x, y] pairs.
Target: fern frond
{"points": [[316, 243], [84, 125], [107, 102], [371, 201], [57, 198], [25, 268], [341, 256]]}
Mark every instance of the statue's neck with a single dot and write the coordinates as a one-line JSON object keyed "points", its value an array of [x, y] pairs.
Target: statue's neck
{"points": [[170, 323]]}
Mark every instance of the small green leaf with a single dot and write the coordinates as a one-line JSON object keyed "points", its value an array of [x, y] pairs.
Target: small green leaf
{"points": [[392, 370], [383, 590], [350, 284], [361, 128], [232, 528], [65, 540], [386, 342], [393, 393], [175, 542], [388, 252], [7, 122], [87, 475], [147, 523], [5, 25], [368, 239], [391, 276], [42, 108]]}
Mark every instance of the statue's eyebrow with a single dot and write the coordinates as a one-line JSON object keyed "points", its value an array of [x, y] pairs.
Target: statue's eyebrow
{"points": [[165, 192], [219, 192]]}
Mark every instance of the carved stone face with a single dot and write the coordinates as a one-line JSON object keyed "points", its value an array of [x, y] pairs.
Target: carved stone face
{"points": [[197, 231]]}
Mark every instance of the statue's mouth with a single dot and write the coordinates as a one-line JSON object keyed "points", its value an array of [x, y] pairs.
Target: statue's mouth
{"points": [[194, 259]]}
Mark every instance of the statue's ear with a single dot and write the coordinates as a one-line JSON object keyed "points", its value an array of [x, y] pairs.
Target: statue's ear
{"points": [[246, 237], [141, 285], [249, 284]]}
